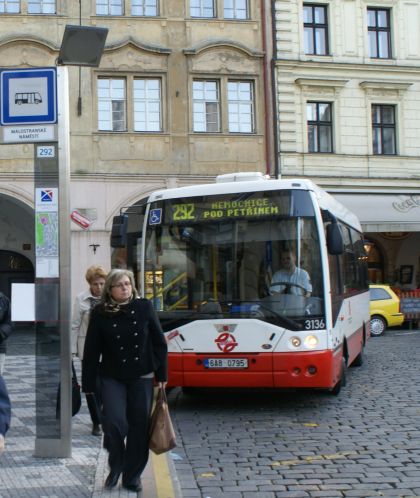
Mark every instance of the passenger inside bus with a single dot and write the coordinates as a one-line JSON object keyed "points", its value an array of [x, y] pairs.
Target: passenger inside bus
{"points": [[290, 279]]}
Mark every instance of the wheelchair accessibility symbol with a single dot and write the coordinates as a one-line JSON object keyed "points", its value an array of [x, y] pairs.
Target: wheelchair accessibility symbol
{"points": [[155, 216]]}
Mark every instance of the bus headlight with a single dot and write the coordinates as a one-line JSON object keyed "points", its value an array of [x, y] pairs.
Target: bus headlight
{"points": [[295, 341], [311, 341]]}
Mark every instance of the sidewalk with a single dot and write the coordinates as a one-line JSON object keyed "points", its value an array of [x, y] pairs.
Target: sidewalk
{"points": [[24, 476]]}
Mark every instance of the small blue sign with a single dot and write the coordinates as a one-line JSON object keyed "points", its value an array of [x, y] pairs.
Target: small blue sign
{"points": [[28, 96], [47, 195], [155, 216]]}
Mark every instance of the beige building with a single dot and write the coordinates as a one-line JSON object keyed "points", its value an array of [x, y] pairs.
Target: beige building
{"points": [[182, 93], [348, 94]]}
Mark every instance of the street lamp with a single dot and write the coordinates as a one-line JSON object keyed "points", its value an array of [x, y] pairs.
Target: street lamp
{"points": [[82, 46]]}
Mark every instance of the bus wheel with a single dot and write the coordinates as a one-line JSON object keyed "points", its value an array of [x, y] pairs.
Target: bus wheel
{"points": [[343, 379], [377, 326], [358, 361]]}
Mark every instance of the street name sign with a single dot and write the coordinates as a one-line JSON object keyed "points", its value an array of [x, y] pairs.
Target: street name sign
{"points": [[29, 133]]}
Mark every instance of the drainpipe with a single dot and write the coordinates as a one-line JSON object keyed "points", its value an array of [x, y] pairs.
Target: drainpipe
{"points": [[269, 95], [276, 124]]}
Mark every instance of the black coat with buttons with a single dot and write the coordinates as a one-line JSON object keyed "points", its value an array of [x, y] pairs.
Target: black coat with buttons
{"points": [[125, 344]]}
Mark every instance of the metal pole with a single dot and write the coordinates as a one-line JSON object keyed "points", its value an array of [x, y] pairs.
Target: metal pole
{"points": [[56, 441], [65, 256]]}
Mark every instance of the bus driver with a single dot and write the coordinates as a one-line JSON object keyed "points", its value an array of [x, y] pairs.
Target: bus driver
{"points": [[290, 279]]}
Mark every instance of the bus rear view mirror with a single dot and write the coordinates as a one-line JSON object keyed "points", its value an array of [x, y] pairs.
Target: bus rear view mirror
{"points": [[119, 231], [334, 239]]}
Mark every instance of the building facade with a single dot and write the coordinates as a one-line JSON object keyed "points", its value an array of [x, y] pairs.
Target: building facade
{"points": [[348, 100], [182, 94]]}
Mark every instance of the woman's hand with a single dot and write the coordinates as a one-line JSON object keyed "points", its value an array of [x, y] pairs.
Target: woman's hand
{"points": [[162, 385]]}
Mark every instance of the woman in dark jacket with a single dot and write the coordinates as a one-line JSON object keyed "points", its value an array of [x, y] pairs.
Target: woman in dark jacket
{"points": [[125, 342]]}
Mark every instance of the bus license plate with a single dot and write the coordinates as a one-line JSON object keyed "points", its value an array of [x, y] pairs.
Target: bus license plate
{"points": [[226, 363]]}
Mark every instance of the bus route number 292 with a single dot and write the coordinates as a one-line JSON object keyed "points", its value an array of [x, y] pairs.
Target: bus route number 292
{"points": [[45, 151], [183, 212], [314, 324]]}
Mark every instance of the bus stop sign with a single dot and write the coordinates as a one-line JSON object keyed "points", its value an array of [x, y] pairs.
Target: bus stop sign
{"points": [[28, 96]]}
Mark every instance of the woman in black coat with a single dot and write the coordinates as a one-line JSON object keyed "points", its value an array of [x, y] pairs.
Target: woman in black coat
{"points": [[125, 342]]}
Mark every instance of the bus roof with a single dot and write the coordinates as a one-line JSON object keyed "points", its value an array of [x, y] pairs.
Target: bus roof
{"points": [[262, 183]]}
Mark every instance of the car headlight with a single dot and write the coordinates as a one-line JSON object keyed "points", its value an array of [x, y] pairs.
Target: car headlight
{"points": [[311, 341], [295, 341]]}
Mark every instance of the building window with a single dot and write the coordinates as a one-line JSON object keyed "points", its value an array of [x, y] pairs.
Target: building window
{"points": [[206, 106], [240, 106], [9, 6], [379, 31], [319, 118], [112, 104], [202, 8], [109, 7], [235, 9], [383, 129], [41, 6], [147, 105], [315, 29], [144, 8]]}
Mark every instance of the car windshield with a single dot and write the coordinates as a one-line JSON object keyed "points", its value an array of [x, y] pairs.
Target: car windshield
{"points": [[220, 257]]}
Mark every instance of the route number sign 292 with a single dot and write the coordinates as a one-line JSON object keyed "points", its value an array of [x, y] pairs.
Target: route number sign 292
{"points": [[45, 151]]}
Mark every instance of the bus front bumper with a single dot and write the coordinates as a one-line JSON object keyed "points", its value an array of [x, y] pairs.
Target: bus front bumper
{"points": [[315, 369]]}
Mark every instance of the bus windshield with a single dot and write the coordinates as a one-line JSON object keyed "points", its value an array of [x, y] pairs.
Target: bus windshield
{"points": [[246, 255]]}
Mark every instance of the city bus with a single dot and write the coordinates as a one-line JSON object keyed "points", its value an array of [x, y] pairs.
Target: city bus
{"points": [[206, 256]]}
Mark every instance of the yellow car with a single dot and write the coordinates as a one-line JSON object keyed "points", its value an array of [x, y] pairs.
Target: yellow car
{"points": [[384, 309]]}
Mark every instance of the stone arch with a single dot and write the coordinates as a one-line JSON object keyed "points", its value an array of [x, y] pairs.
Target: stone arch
{"points": [[17, 241]]}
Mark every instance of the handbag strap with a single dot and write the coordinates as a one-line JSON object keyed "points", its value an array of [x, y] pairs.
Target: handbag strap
{"points": [[161, 395]]}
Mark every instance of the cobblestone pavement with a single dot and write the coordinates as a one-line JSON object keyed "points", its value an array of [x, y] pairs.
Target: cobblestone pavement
{"points": [[363, 443], [24, 476]]}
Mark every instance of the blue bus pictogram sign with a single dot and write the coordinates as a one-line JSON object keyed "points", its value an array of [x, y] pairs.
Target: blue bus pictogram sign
{"points": [[28, 96]]}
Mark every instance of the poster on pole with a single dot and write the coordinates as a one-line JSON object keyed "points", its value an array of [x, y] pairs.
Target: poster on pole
{"points": [[46, 233]]}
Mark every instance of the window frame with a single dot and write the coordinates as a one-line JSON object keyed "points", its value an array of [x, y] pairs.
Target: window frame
{"points": [[41, 3], [314, 26], [143, 2], [206, 102], [318, 123], [237, 102], [223, 104], [110, 101], [219, 10], [148, 102], [381, 126], [377, 30], [109, 5], [129, 79], [235, 11], [202, 8], [6, 3]]}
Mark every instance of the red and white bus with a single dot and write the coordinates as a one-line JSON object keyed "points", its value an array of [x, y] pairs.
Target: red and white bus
{"points": [[206, 256]]}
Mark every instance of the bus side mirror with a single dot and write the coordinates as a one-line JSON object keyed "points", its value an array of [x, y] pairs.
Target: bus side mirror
{"points": [[335, 243], [119, 231]]}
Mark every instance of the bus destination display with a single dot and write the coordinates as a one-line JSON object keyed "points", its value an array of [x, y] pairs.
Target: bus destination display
{"points": [[226, 209]]}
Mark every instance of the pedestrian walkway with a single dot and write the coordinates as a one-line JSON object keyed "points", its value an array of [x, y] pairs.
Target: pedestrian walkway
{"points": [[22, 475]]}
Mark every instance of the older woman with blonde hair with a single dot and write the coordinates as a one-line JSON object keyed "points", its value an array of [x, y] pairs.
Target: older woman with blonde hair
{"points": [[84, 303], [125, 343]]}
